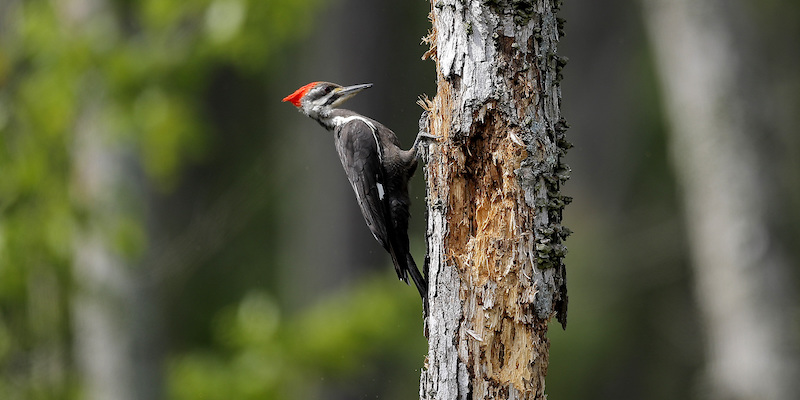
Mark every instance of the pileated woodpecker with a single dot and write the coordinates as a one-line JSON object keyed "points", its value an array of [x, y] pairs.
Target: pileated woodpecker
{"points": [[376, 166]]}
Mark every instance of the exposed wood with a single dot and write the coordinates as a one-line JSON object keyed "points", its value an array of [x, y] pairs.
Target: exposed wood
{"points": [[493, 202]]}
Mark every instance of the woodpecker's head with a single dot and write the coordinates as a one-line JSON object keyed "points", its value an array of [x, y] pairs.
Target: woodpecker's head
{"points": [[316, 98]]}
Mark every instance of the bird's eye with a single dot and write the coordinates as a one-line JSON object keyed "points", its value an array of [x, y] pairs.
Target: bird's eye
{"points": [[327, 89]]}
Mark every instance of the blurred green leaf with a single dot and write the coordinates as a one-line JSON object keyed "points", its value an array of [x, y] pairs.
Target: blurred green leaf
{"points": [[267, 357], [133, 76]]}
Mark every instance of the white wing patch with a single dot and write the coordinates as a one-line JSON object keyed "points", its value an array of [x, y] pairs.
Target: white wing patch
{"points": [[380, 190], [339, 121]]}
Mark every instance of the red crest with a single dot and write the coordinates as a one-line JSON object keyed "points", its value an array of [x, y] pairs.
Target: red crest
{"points": [[298, 94]]}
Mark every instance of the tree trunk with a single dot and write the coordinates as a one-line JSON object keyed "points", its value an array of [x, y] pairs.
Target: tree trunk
{"points": [[114, 311], [494, 237], [115, 314], [102, 298], [740, 269]]}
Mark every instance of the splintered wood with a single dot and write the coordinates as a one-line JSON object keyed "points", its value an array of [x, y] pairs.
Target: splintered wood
{"points": [[494, 206], [490, 243]]}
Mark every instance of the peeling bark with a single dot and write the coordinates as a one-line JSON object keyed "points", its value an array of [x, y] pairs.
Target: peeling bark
{"points": [[494, 207]]}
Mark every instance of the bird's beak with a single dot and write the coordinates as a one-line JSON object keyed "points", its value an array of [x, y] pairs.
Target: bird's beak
{"points": [[344, 93]]}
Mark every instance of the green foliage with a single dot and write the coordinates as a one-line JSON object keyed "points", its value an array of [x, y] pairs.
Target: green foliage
{"points": [[270, 356], [134, 74]]}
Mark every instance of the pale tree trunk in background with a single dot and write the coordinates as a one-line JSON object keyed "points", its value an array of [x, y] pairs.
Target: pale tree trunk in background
{"points": [[101, 304], [741, 283], [116, 331], [113, 311], [494, 208]]}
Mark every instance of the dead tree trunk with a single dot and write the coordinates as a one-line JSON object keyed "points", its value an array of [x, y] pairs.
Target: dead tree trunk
{"points": [[494, 231], [741, 272]]}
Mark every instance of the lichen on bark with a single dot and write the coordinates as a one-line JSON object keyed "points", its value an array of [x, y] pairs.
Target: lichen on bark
{"points": [[493, 196]]}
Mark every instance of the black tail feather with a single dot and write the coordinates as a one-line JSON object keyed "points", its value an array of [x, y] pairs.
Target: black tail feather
{"points": [[405, 267], [419, 281]]}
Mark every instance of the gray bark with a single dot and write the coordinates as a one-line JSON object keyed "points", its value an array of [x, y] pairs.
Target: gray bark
{"points": [[740, 271], [494, 237]]}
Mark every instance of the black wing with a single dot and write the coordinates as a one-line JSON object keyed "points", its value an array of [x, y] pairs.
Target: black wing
{"points": [[359, 153], [357, 145]]}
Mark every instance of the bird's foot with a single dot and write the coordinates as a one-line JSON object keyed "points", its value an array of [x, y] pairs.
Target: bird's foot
{"points": [[424, 121], [423, 135]]}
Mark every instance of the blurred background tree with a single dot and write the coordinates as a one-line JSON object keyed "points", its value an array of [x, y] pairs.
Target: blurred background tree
{"points": [[170, 229], [719, 117]]}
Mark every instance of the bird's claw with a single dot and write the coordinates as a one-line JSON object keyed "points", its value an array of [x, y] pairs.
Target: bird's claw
{"points": [[424, 121]]}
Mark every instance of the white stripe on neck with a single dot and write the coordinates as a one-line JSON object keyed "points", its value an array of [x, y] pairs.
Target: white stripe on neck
{"points": [[339, 121]]}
